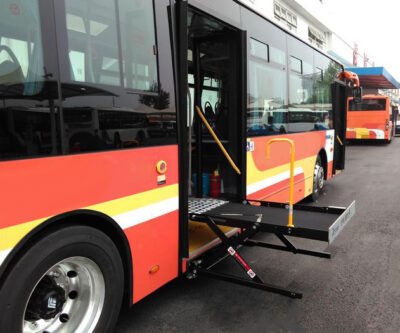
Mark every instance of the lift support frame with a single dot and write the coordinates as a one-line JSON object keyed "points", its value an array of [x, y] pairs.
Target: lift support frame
{"points": [[250, 225]]}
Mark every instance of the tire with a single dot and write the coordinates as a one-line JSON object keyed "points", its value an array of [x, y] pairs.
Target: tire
{"points": [[69, 281], [318, 179]]}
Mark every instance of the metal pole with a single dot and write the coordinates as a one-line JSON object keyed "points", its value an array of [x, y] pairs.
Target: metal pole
{"points": [[198, 129], [291, 190]]}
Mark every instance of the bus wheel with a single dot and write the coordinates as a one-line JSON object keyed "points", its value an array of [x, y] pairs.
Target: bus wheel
{"points": [[318, 179], [69, 281]]}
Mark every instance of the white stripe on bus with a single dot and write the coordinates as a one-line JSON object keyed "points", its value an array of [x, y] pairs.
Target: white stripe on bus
{"points": [[3, 255], [267, 182]]}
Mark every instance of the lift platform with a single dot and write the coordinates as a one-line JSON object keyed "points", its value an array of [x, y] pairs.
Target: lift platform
{"points": [[252, 217]]}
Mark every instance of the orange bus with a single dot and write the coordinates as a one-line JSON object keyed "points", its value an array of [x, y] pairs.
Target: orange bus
{"points": [[95, 215], [371, 119]]}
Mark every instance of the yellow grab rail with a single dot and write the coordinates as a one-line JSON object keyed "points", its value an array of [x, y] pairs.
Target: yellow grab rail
{"points": [[204, 120], [290, 218], [340, 141]]}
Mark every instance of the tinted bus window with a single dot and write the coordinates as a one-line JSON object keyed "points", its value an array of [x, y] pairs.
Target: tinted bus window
{"points": [[267, 107], [302, 116], [325, 73], [258, 49], [114, 45], [296, 65], [372, 104], [138, 44], [28, 115], [93, 41], [277, 56]]}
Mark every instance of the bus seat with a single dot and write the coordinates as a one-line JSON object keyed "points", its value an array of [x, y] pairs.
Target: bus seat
{"points": [[11, 73]]}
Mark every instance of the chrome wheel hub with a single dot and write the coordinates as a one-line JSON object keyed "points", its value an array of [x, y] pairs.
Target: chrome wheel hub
{"points": [[69, 297]]}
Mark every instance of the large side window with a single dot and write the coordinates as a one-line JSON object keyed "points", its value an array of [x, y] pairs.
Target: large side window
{"points": [[267, 106], [326, 72], [95, 53], [302, 116], [138, 44], [112, 95], [93, 41], [28, 115]]}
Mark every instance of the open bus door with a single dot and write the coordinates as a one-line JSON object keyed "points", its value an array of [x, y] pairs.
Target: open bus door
{"points": [[213, 97], [339, 119]]}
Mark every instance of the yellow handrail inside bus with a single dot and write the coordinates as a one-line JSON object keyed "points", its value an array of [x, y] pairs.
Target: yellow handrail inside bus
{"points": [[290, 218], [340, 141], [204, 120]]}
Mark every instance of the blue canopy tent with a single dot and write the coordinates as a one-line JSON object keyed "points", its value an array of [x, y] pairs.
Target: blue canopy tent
{"points": [[375, 78]]}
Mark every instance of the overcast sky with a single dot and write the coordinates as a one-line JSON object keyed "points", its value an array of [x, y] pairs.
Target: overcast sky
{"points": [[374, 25]]}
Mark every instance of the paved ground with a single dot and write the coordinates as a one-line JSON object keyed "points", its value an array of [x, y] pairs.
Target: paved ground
{"points": [[358, 290]]}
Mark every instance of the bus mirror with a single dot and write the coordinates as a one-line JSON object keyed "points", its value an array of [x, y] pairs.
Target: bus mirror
{"points": [[357, 94]]}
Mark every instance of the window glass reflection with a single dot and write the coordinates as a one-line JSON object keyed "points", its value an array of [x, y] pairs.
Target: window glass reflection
{"points": [[302, 116], [267, 110], [326, 73], [28, 116], [93, 41], [138, 44]]}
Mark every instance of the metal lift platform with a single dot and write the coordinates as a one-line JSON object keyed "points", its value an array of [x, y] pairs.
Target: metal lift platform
{"points": [[252, 217]]}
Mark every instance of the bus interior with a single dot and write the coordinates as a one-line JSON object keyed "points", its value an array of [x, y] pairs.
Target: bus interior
{"points": [[213, 76]]}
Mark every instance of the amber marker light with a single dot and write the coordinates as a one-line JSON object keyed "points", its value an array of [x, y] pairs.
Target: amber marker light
{"points": [[154, 269]]}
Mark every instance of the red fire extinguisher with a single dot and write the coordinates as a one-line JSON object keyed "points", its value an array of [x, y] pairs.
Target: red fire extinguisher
{"points": [[215, 184]]}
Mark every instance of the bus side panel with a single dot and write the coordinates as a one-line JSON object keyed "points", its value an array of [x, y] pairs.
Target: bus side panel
{"points": [[154, 254], [121, 184], [268, 179]]}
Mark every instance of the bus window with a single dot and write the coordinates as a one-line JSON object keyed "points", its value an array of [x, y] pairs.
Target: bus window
{"points": [[370, 104], [93, 41], [302, 116], [325, 73], [138, 44], [266, 110], [111, 51], [28, 117]]}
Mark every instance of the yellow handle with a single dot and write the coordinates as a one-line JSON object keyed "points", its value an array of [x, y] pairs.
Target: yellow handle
{"points": [[290, 218], [340, 141], [217, 140]]}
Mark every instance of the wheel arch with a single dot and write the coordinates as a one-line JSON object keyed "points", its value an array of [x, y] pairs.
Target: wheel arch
{"points": [[324, 159], [83, 217]]}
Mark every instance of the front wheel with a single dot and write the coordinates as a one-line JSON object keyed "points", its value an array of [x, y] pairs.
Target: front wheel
{"points": [[69, 281], [318, 180]]}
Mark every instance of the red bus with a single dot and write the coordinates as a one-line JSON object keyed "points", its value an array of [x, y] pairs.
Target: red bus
{"points": [[371, 118], [94, 213]]}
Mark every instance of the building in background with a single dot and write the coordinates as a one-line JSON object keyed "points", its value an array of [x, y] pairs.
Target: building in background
{"points": [[311, 21]]}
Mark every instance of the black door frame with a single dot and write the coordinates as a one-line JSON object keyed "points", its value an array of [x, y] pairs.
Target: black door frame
{"points": [[181, 75], [339, 93]]}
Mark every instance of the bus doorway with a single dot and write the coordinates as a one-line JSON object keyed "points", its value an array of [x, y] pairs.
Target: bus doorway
{"points": [[212, 72], [216, 70]]}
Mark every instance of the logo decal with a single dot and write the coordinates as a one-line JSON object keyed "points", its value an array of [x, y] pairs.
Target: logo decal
{"points": [[250, 146], [52, 303]]}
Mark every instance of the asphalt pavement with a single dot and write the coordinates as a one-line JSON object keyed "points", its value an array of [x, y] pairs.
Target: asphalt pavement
{"points": [[358, 290]]}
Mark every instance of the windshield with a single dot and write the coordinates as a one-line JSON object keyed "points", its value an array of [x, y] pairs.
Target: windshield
{"points": [[370, 104]]}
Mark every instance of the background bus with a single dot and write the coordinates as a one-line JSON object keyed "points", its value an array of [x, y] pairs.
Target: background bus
{"points": [[87, 129], [372, 118]]}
